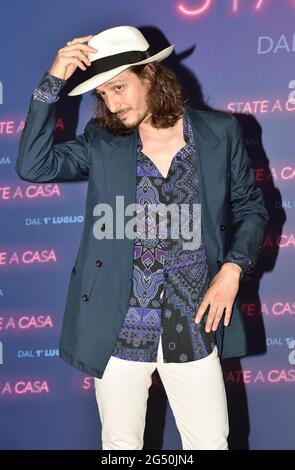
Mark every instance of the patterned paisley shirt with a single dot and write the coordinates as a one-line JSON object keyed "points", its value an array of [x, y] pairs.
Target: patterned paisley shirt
{"points": [[168, 281]]}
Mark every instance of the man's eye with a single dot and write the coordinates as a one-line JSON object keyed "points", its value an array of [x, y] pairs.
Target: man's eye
{"points": [[119, 86]]}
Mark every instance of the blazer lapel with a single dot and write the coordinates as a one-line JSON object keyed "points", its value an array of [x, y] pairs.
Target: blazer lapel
{"points": [[211, 157], [120, 169], [210, 153]]}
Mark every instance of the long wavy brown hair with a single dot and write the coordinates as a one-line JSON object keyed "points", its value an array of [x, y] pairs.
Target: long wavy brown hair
{"points": [[164, 100]]}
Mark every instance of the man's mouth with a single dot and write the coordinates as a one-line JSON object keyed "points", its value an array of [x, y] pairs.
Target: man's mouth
{"points": [[121, 115]]}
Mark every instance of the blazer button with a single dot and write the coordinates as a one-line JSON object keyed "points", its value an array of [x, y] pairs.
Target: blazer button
{"points": [[103, 227], [222, 227], [85, 297], [98, 263]]}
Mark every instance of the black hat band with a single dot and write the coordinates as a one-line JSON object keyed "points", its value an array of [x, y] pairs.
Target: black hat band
{"points": [[123, 58]]}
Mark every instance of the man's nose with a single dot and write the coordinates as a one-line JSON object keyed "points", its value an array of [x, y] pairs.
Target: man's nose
{"points": [[114, 104]]}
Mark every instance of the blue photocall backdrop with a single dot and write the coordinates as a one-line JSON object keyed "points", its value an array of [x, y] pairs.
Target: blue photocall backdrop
{"points": [[231, 55]]}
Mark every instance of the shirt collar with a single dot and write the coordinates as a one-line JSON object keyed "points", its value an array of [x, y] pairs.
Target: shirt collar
{"points": [[188, 130], [187, 133]]}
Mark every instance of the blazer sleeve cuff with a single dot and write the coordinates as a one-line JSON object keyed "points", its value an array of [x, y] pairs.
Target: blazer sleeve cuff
{"points": [[241, 260], [49, 88]]}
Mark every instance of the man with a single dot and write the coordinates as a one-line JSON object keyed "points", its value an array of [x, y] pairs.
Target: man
{"points": [[138, 303]]}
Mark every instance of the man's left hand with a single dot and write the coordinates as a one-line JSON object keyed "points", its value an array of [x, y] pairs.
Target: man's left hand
{"points": [[220, 295]]}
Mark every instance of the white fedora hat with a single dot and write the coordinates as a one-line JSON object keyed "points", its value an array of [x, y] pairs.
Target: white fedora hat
{"points": [[117, 49]]}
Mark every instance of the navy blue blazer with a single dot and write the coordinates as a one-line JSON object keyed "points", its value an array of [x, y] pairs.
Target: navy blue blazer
{"points": [[233, 217]]}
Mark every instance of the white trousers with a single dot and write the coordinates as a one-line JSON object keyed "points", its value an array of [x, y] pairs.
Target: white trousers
{"points": [[195, 391]]}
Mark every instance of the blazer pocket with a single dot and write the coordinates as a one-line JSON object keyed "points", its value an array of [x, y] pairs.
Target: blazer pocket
{"points": [[91, 281]]}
